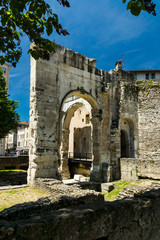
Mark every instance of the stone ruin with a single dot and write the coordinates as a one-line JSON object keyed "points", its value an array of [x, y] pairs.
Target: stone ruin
{"points": [[86, 216], [125, 118]]}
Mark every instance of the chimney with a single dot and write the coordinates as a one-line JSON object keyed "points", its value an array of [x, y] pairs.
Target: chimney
{"points": [[118, 65]]}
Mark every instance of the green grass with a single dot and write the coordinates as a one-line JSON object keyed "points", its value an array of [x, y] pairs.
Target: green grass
{"points": [[12, 170], [119, 186], [7, 172], [11, 197]]}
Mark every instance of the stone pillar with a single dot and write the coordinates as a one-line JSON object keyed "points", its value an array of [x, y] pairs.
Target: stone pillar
{"points": [[96, 136], [44, 120], [115, 153], [64, 153]]}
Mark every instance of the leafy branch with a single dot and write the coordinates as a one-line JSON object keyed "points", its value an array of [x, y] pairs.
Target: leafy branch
{"points": [[136, 6], [27, 17]]}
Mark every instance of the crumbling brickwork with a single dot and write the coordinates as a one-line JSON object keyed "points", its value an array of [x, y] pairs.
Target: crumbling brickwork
{"points": [[85, 216], [125, 119]]}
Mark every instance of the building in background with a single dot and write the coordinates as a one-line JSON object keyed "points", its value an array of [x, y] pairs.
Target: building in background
{"points": [[6, 68], [11, 142], [23, 138], [18, 141], [80, 137], [146, 74], [80, 128]]}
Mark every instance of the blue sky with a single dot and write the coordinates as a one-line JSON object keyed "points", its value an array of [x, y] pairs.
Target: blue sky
{"points": [[101, 29]]}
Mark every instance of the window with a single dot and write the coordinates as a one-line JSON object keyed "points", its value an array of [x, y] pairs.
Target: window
{"points": [[0, 140], [87, 118], [147, 76], [19, 144], [82, 120], [135, 76], [153, 76]]}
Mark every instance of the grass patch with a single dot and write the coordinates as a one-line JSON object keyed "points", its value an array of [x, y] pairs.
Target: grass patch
{"points": [[119, 186], [7, 172], [11, 197]]}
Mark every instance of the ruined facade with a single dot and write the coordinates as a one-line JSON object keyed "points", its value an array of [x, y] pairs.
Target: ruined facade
{"points": [[125, 116]]}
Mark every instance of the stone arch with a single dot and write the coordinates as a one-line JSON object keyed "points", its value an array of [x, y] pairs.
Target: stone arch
{"points": [[82, 94], [64, 130], [70, 113], [66, 74], [127, 138]]}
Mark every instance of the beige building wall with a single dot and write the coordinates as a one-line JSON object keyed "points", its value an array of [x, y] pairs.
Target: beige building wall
{"points": [[11, 141], [23, 136], [80, 119], [149, 74]]}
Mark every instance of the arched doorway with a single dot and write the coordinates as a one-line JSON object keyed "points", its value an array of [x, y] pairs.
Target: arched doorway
{"points": [[80, 137], [127, 138], [79, 124]]}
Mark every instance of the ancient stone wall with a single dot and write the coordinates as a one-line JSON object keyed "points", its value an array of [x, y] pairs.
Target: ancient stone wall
{"points": [[124, 113], [125, 117], [149, 121], [20, 162], [66, 74], [78, 219], [133, 169], [147, 137]]}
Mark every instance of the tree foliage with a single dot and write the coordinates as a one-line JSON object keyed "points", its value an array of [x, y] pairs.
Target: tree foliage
{"points": [[34, 18], [8, 116], [27, 17], [136, 6]]}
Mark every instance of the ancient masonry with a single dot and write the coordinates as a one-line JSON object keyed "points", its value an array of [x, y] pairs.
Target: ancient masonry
{"points": [[84, 215], [125, 118]]}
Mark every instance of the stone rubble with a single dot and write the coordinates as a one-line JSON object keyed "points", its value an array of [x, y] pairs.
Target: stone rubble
{"points": [[137, 190], [74, 219]]}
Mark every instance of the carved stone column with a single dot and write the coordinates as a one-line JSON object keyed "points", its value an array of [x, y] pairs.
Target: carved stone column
{"points": [[96, 136], [64, 159]]}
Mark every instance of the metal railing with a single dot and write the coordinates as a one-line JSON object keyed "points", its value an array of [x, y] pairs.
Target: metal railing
{"points": [[80, 156]]}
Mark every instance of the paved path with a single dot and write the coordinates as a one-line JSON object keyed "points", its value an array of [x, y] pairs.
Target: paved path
{"points": [[12, 187]]}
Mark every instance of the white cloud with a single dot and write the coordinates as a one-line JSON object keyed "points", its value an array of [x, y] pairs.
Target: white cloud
{"points": [[16, 75]]}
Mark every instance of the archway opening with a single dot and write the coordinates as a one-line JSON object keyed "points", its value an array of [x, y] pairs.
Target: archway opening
{"points": [[127, 138], [80, 135], [76, 149]]}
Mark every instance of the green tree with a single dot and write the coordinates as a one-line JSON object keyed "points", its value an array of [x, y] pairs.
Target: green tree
{"points": [[136, 6], [27, 17], [8, 116]]}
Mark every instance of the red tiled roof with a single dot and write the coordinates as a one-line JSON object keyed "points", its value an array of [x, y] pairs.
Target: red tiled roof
{"points": [[144, 71], [24, 123]]}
